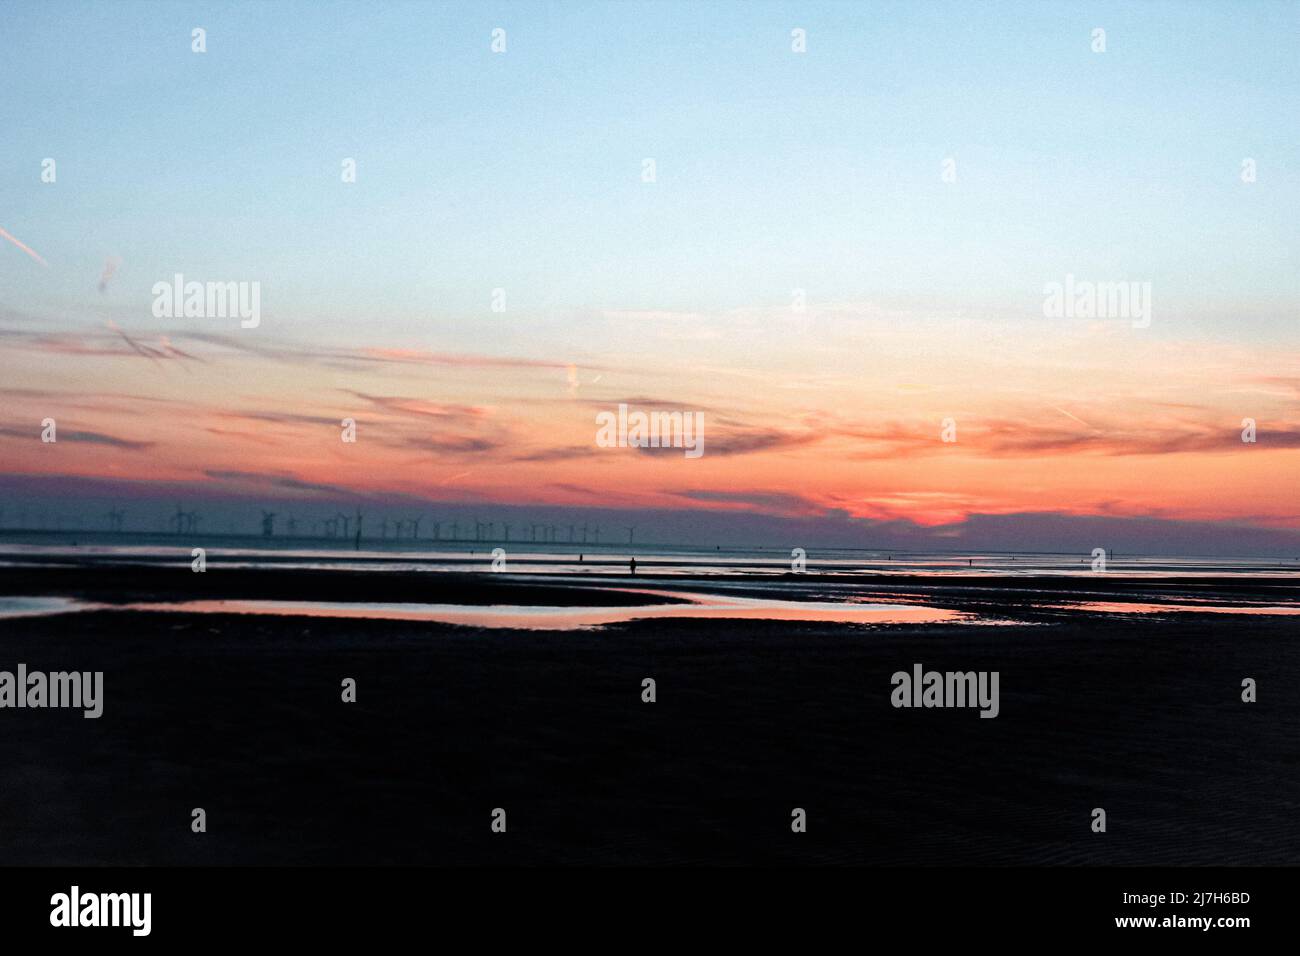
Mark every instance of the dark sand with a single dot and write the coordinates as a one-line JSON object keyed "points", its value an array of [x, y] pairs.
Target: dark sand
{"points": [[242, 716], [132, 584]]}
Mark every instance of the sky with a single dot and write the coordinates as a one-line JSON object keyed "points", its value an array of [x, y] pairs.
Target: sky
{"points": [[915, 179]]}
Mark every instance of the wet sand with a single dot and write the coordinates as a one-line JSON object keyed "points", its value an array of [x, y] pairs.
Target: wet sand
{"points": [[122, 583], [242, 716], [127, 584]]}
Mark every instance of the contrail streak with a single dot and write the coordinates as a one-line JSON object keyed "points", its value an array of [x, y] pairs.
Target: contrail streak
{"points": [[27, 249], [1075, 417]]}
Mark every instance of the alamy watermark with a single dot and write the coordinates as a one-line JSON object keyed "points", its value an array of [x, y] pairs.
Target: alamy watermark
{"points": [[208, 300], [1085, 299], [922, 688], [76, 908], [654, 429], [36, 689]]}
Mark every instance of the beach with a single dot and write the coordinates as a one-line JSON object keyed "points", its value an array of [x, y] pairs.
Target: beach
{"points": [[242, 715]]}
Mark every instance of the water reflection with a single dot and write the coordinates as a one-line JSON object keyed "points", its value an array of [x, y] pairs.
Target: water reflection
{"points": [[578, 618], [11, 607], [1139, 607]]}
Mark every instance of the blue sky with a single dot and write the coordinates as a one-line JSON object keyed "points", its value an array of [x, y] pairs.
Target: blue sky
{"points": [[776, 170]]}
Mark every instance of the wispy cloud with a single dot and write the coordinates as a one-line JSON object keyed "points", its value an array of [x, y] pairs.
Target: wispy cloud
{"points": [[421, 408], [87, 437], [270, 482]]}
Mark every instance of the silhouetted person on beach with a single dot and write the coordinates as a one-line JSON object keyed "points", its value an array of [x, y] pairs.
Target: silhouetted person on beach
{"points": [[632, 564]]}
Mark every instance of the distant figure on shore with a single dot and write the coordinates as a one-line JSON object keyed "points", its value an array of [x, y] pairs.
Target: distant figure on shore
{"points": [[580, 559], [632, 565]]}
